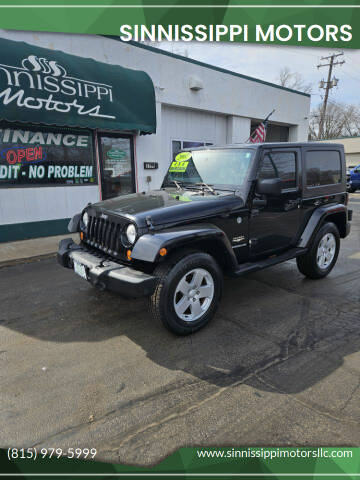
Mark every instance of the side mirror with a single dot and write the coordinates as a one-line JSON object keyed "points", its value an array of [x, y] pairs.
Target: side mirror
{"points": [[269, 186]]}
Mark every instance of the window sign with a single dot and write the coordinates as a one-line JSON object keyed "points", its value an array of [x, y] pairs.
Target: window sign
{"points": [[41, 156], [117, 159], [117, 165]]}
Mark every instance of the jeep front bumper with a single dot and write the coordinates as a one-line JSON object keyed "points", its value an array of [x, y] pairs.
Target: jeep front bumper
{"points": [[106, 274]]}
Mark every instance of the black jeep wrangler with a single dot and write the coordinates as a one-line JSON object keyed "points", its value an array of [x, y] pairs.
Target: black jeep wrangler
{"points": [[221, 210]]}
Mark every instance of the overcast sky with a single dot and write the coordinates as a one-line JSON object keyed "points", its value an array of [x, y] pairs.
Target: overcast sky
{"points": [[265, 62]]}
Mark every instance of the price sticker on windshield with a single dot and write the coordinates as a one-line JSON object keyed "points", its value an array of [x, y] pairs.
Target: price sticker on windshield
{"points": [[183, 156], [179, 165]]}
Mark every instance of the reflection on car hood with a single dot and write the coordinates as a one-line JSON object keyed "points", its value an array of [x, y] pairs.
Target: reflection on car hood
{"points": [[168, 206]]}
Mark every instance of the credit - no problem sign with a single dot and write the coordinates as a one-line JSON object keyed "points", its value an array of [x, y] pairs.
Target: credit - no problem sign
{"points": [[44, 156], [39, 172]]}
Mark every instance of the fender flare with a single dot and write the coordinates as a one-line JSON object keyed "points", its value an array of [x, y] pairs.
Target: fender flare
{"points": [[74, 224], [147, 247], [316, 221]]}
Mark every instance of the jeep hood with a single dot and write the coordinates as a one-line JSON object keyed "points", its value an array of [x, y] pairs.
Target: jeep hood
{"points": [[168, 206]]}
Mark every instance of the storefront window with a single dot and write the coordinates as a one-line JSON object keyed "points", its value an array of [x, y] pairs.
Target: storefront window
{"points": [[117, 165], [40, 156], [178, 145]]}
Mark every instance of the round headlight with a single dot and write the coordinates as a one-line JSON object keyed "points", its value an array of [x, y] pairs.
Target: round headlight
{"points": [[131, 233], [85, 219]]}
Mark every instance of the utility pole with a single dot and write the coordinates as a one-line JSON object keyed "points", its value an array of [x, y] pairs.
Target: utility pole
{"points": [[328, 85]]}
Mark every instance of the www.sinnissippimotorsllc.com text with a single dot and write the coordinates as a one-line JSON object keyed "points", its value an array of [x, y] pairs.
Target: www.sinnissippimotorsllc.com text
{"points": [[275, 453]]}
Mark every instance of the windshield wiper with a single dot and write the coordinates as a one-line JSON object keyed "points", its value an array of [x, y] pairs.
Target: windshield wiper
{"points": [[178, 186], [192, 186], [183, 186], [207, 186]]}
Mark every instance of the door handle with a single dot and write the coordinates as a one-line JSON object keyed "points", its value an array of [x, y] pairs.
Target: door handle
{"points": [[290, 204], [258, 202], [293, 202]]}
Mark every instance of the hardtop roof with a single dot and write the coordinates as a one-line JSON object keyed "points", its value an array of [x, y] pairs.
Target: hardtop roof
{"points": [[316, 145]]}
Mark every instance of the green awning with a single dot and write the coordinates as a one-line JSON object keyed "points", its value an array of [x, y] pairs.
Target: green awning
{"points": [[39, 85]]}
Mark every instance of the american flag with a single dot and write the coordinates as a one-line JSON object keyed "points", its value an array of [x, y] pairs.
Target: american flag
{"points": [[259, 134]]}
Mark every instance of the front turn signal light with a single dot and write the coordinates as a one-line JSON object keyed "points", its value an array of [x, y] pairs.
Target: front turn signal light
{"points": [[128, 254], [81, 235], [162, 252]]}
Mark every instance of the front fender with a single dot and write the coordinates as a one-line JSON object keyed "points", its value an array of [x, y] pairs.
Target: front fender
{"points": [[317, 219], [147, 247], [74, 224]]}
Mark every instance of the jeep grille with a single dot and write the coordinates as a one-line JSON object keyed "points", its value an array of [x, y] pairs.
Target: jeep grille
{"points": [[105, 235]]}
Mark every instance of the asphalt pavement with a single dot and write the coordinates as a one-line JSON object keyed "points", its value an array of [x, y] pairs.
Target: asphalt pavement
{"points": [[278, 365]]}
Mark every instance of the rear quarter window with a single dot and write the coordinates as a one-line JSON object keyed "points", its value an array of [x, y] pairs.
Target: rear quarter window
{"points": [[323, 167]]}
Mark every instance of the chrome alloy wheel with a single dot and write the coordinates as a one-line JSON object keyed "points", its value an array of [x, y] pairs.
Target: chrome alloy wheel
{"points": [[194, 294], [326, 251]]}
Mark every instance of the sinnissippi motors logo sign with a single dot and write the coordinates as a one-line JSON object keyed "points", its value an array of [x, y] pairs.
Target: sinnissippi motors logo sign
{"points": [[117, 154], [40, 84]]}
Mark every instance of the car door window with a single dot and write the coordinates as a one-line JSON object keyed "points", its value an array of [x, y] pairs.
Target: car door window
{"points": [[323, 168], [279, 165]]}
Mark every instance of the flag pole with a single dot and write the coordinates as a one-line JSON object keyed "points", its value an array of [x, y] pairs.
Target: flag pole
{"points": [[267, 118]]}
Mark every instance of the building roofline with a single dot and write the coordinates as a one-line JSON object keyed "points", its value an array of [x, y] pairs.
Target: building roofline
{"points": [[206, 65], [337, 138]]}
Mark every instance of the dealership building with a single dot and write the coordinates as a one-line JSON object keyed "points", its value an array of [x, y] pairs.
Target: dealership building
{"points": [[85, 118], [351, 147]]}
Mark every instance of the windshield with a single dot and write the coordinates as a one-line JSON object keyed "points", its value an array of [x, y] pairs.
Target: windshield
{"points": [[228, 167]]}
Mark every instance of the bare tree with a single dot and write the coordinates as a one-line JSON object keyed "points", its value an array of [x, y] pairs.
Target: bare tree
{"points": [[293, 80], [341, 120]]}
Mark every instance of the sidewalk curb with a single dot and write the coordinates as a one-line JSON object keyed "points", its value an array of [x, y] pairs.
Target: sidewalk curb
{"points": [[31, 250], [35, 258]]}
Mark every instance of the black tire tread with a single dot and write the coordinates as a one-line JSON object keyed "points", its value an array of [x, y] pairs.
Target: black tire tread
{"points": [[306, 264], [161, 272]]}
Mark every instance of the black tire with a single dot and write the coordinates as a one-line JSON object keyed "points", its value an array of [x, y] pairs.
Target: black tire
{"points": [[308, 263], [352, 190], [169, 275]]}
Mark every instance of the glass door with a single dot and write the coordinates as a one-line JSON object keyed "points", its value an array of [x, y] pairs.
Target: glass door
{"points": [[117, 165]]}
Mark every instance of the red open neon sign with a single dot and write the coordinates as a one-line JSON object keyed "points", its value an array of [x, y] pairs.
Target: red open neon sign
{"points": [[22, 155]]}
